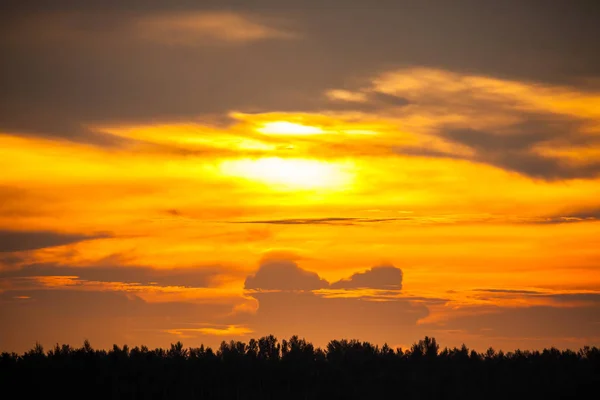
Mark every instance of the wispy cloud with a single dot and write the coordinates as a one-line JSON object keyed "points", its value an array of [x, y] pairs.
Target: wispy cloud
{"points": [[319, 221], [14, 241], [207, 27], [228, 331]]}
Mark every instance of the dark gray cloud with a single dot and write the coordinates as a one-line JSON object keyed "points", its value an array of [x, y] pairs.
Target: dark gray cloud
{"points": [[573, 297], [577, 297], [528, 322], [585, 215], [281, 274], [513, 148], [515, 151], [588, 213], [189, 277], [31, 240], [103, 317], [561, 220], [320, 319], [381, 277], [388, 99], [284, 275], [100, 74]]}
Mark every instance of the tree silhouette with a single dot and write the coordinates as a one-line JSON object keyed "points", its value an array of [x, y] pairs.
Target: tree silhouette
{"points": [[296, 369]]}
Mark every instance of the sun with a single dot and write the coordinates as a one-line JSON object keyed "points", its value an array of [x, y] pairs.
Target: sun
{"points": [[290, 173], [288, 128]]}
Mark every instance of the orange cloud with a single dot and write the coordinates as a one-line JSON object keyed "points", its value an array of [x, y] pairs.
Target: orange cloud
{"points": [[229, 331]]}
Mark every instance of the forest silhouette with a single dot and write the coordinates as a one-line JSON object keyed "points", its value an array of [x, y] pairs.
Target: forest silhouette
{"points": [[295, 369]]}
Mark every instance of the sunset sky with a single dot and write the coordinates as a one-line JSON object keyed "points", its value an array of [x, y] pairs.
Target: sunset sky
{"points": [[382, 170]]}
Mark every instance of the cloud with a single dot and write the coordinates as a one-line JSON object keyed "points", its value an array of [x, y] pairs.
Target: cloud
{"points": [[541, 297], [11, 241], [381, 277], [186, 277], [388, 99], [320, 319], [584, 215], [516, 152], [295, 305], [228, 331], [346, 96], [590, 298], [182, 54], [514, 125], [277, 273], [363, 101], [302, 221], [103, 49], [524, 318], [284, 275], [510, 291], [530, 322], [191, 29], [103, 317], [319, 221], [170, 27]]}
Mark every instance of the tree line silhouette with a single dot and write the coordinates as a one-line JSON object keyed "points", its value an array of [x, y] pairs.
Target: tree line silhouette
{"points": [[295, 369]]}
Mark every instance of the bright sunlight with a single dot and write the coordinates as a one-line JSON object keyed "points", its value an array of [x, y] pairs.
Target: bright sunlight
{"points": [[295, 173], [288, 128]]}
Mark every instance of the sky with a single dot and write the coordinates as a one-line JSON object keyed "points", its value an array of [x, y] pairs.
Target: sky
{"points": [[216, 170]]}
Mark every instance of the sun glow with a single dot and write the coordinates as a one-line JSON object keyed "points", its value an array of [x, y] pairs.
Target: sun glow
{"points": [[288, 128], [290, 173]]}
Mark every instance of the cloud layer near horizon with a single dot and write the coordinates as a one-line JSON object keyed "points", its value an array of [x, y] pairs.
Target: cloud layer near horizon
{"points": [[59, 304]]}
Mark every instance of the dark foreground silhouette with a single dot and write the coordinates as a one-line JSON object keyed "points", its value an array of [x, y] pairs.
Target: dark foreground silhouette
{"points": [[295, 369]]}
